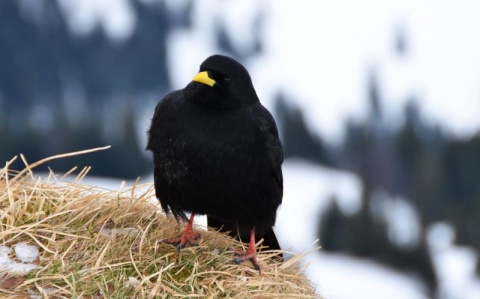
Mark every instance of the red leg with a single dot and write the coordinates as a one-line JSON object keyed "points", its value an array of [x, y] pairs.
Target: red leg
{"points": [[250, 254], [188, 236]]}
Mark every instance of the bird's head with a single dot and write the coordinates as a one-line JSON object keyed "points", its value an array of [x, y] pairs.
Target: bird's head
{"points": [[223, 83]]}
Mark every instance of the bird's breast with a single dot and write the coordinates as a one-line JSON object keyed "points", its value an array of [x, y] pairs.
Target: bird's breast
{"points": [[208, 144]]}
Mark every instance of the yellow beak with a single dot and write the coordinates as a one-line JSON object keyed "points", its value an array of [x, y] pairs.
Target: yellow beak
{"points": [[203, 77]]}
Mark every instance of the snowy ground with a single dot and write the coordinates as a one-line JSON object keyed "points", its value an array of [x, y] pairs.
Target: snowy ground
{"points": [[308, 189], [454, 265], [343, 277], [19, 258]]}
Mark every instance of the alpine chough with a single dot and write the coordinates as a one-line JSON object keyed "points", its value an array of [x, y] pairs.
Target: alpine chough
{"points": [[217, 152]]}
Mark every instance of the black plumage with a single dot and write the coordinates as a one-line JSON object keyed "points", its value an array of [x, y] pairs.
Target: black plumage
{"points": [[216, 152]]}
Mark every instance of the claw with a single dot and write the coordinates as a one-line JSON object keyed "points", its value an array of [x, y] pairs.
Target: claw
{"points": [[188, 237], [249, 254]]}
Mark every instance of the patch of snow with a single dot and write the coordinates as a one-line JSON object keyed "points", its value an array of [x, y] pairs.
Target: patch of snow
{"points": [[339, 276], [454, 265], [45, 291], [132, 282], [25, 252], [307, 191], [403, 222], [4, 254], [440, 236], [116, 17], [104, 183]]}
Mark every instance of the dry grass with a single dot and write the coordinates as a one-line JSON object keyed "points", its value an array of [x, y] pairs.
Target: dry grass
{"points": [[96, 243]]}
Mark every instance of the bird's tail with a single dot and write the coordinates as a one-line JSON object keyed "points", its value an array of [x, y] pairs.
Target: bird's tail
{"points": [[270, 240]]}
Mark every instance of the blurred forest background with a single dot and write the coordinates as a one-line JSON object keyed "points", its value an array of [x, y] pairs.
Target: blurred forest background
{"points": [[62, 92]]}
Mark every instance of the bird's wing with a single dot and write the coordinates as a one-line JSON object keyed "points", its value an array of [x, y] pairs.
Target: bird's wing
{"points": [[160, 109], [267, 125], [160, 118]]}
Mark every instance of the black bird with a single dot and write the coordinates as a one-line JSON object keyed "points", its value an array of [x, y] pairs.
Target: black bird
{"points": [[217, 152]]}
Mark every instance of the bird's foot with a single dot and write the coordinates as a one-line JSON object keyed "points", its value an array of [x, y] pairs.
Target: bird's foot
{"points": [[188, 237], [248, 255]]}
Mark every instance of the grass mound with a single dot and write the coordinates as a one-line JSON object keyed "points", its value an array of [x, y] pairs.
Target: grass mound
{"points": [[83, 241]]}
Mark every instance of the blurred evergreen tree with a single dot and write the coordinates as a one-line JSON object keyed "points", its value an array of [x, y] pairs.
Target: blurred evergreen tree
{"points": [[48, 72], [297, 139], [419, 153], [367, 148], [363, 234], [250, 47], [462, 171], [334, 233]]}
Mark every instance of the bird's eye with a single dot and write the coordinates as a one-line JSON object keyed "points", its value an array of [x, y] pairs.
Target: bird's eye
{"points": [[219, 77], [222, 78]]}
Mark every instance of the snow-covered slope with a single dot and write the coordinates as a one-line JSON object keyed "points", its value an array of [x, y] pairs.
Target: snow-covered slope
{"points": [[308, 189]]}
